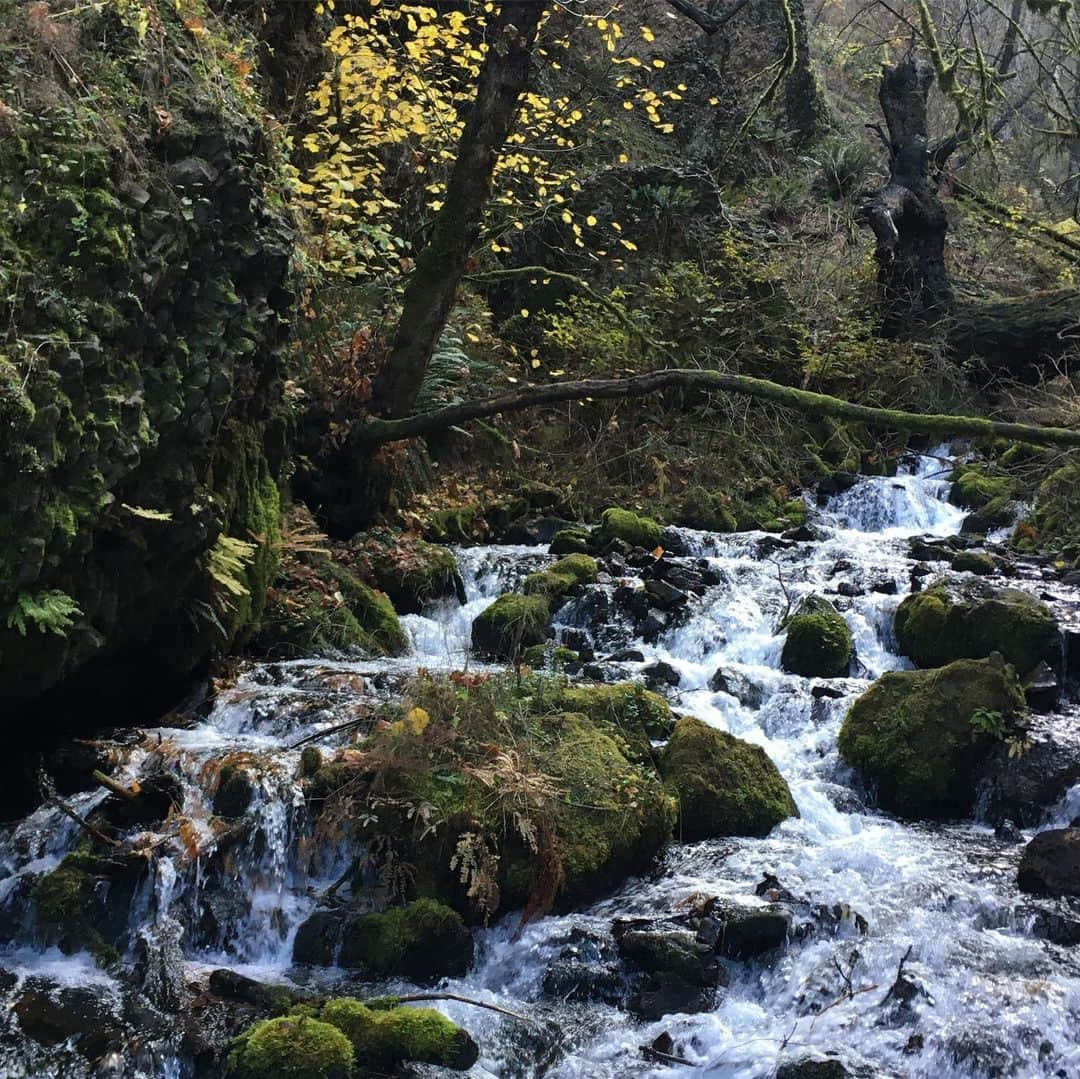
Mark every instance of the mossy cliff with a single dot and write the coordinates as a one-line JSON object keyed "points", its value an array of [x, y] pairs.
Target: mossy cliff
{"points": [[144, 267]]}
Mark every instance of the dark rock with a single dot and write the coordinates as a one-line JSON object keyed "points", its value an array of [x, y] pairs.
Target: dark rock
{"points": [[1050, 864], [317, 939], [666, 596], [586, 969], [769, 545], [813, 1068], [802, 534], [672, 540], [850, 589], [50, 1015], [835, 484], [626, 655], [234, 793], [819, 692], [673, 951], [738, 685], [660, 674], [158, 793], [232, 985], [885, 586], [663, 994], [1007, 832], [159, 963], [653, 624], [1042, 690], [740, 931]]}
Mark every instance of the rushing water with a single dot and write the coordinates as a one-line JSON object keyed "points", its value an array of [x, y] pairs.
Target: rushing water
{"points": [[991, 999]]}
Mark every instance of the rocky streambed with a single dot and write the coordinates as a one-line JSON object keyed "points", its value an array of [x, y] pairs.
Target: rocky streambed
{"points": [[856, 912]]}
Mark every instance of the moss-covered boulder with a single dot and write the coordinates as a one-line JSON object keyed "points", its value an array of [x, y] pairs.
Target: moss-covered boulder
{"points": [[946, 622], [724, 786], [510, 625], [617, 524], [571, 541], [385, 1038], [292, 1047], [421, 940], [145, 315], [818, 642], [918, 737], [977, 562], [555, 581], [627, 712], [317, 606], [411, 571], [1055, 522], [707, 510], [976, 488], [764, 504]]}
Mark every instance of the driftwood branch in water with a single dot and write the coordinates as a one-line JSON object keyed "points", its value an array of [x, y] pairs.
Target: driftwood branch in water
{"points": [[377, 431]]}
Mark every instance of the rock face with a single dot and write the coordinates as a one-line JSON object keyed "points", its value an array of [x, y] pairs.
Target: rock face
{"points": [[724, 786], [946, 622], [916, 736], [141, 420], [818, 643], [1050, 864]]}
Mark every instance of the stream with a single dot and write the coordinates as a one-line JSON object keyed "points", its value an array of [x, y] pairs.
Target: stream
{"points": [[988, 997]]}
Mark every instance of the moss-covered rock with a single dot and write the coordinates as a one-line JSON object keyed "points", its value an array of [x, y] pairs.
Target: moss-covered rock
{"points": [[724, 786], [292, 1047], [977, 562], [318, 606], [630, 528], [553, 657], [385, 1038], [421, 940], [629, 713], [916, 736], [974, 488], [555, 581], [1055, 521], [946, 622], [818, 642], [411, 571], [142, 404], [707, 510], [510, 625], [571, 541], [768, 506]]}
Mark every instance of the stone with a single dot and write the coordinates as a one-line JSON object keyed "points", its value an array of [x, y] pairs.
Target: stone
{"points": [[738, 685], [673, 951], [660, 674], [818, 642], [740, 931], [1050, 864]]}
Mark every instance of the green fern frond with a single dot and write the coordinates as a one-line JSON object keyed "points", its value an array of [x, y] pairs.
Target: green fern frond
{"points": [[48, 611]]}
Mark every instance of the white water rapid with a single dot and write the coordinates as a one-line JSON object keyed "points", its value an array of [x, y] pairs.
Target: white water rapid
{"points": [[988, 997]]}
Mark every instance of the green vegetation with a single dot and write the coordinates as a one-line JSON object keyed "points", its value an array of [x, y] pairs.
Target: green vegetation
{"points": [[818, 642], [630, 528], [724, 786], [510, 625], [292, 1047], [917, 739], [409, 941], [555, 581]]}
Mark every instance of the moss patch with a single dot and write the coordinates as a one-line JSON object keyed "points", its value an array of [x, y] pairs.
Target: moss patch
{"points": [[630, 528], [510, 625], [945, 623], [421, 940], [911, 734], [555, 581], [724, 786], [292, 1047], [818, 643], [630, 714]]}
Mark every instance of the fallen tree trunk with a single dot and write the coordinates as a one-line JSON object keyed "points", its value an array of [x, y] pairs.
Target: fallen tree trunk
{"points": [[376, 431]]}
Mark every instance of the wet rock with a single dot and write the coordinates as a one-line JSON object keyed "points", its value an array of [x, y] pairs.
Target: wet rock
{"points": [[666, 596], [850, 589], [422, 941], [159, 963], [677, 952], [884, 586], [1008, 832], [970, 620], [662, 994], [738, 685], [1050, 864], [740, 931], [660, 674], [236, 788], [573, 540], [923, 550], [1057, 926], [158, 793], [586, 969], [770, 545], [318, 938], [826, 692], [911, 736], [626, 655], [510, 625], [725, 786], [835, 484], [818, 642], [232, 985], [982, 565], [537, 531], [813, 1068], [49, 1015], [1042, 690], [653, 624]]}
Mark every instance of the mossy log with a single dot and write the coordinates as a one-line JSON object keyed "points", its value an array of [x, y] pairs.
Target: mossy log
{"points": [[374, 431]]}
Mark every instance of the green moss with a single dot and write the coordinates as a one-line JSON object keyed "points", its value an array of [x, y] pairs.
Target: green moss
{"points": [[628, 712], [555, 581], [973, 489], [818, 643], [510, 625], [411, 572], [724, 786], [388, 1038], [939, 625], [1056, 518], [557, 658], [292, 1047], [570, 541], [420, 940], [452, 525], [910, 734], [630, 528], [974, 562], [707, 510]]}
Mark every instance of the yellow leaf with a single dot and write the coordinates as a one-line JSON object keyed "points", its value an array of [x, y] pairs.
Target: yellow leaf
{"points": [[590, 220], [658, 63], [524, 312], [534, 364]]}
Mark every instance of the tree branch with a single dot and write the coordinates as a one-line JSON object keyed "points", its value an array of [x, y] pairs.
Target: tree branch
{"points": [[377, 431]]}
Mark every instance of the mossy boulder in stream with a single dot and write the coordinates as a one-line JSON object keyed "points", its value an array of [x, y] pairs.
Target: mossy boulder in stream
{"points": [[145, 311], [617, 524], [555, 581], [633, 716], [918, 737], [818, 643], [387, 1037], [970, 620], [510, 625], [421, 940], [411, 571], [724, 786], [291, 1047]]}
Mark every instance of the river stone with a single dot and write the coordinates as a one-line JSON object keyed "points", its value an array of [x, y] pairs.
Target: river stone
{"points": [[724, 786], [818, 642], [158, 793], [1050, 864], [741, 931], [664, 993], [738, 685], [911, 736], [50, 1015], [672, 951], [812, 1068], [318, 938]]}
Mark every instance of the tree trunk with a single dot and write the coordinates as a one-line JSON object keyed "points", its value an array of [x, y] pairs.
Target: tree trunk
{"points": [[433, 285], [906, 216]]}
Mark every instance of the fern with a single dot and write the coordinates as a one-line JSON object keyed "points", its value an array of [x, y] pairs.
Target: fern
{"points": [[450, 372], [226, 563], [49, 611]]}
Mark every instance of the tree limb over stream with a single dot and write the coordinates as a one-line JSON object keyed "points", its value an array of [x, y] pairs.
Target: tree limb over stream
{"points": [[378, 431]]}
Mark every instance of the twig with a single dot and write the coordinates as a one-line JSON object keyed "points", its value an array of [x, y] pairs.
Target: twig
{"points": [[325, 733], [414, 997], [650, 1053], [59, 803], [113, 785]]}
